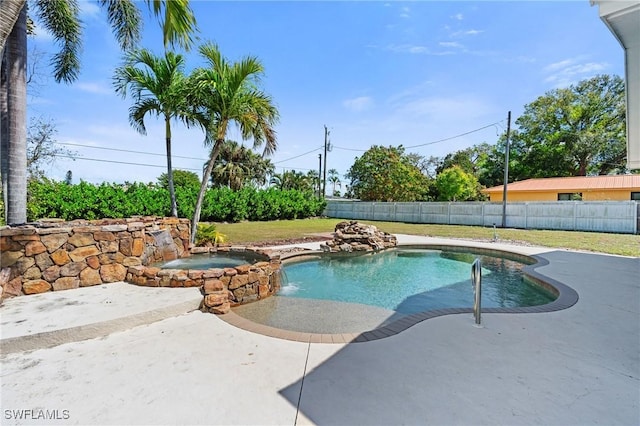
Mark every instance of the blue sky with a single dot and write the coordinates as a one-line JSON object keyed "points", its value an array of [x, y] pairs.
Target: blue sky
{"points": [[375, 73]]}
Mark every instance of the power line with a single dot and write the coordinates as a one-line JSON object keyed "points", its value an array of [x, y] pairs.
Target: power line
{"points": [[122, 162], [126, 150], [432, 142], [456, 136], [298, 156], [149, 165]]}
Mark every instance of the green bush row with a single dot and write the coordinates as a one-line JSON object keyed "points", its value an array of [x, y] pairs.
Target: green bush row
{"points": [[51, 199]]}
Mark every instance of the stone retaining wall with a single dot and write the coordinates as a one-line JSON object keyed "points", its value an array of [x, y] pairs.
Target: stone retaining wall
{"points": [[52, 255], [221, 287]]}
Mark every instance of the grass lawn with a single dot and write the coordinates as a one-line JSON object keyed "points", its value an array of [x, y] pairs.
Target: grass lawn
{"points": [[254, 232]]}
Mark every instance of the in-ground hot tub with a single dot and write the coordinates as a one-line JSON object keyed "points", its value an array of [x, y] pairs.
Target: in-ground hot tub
{"points": [[226, 277], [222, 259]]}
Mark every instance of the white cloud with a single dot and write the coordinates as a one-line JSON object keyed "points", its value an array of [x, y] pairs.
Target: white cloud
{"points": [[407, 48], [405, 12], [451, 44], [464, 33], [418, 104], [559, 65], [96, 88], [458, 16], [413, 91], [358, 104], [569, 71], [416, 116], [89, 9]]}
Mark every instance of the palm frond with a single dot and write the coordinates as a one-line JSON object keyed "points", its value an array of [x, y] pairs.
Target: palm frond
{"points": [[179, 22], [125, 21], [61, 19], [139, 110]]}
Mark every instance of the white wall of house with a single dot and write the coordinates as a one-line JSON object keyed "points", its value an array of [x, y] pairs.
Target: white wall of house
{"points": [[623, 19]]}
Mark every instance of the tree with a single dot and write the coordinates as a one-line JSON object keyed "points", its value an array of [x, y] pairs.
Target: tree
{"points": [[41, 151], [231, 168], [181, 179], [61, 19], [291, 179], [454, 184], [386, 174], [41, 147], [468, 159], [260, 169], [427, 166], [237, 166], [334, 179], [228, 93], [577, 130], [158, 87], [13, 136], [491, 165]]}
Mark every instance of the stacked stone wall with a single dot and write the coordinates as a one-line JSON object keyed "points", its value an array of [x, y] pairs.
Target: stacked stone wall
{"points": [[222, 288], [53, 255]]}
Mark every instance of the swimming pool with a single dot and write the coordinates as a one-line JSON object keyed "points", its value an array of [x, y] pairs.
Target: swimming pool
{"points": [[412, 280], [324, 293]]}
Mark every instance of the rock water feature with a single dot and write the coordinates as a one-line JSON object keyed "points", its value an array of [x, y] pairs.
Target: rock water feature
{"points": [[161, 247], [353, 236]]}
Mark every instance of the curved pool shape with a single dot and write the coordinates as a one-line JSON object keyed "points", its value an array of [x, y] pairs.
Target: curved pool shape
{"points": [[216, 260], [446, 290], [408, 281]]}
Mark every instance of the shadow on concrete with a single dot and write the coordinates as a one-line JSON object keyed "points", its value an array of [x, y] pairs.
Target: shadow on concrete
{"points": [[570, 366]]}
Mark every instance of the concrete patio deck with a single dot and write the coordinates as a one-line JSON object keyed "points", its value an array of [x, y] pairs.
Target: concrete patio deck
{"points": [[173, 365]]}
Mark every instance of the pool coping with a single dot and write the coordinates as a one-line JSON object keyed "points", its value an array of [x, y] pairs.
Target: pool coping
{"points": [[567, 297]]}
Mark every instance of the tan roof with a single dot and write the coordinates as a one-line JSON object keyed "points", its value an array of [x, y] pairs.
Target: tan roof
{"points": [[573, 184]]}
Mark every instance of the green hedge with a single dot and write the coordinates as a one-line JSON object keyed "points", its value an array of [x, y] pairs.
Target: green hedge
{"points": [[51, 199]]}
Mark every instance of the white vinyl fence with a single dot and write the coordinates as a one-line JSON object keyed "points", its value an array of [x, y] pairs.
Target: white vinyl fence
{"points": [[606, 216]]}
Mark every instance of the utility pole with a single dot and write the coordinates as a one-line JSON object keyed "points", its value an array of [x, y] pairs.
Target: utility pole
{"points": [[506, 173], [324, 176], [319, 174]]}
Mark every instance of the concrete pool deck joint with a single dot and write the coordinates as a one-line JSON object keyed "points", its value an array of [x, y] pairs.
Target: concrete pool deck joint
{"points": [[566, 297]]}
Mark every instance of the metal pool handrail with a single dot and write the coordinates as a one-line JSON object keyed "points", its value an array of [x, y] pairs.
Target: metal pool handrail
{"points": [[476, 283]]}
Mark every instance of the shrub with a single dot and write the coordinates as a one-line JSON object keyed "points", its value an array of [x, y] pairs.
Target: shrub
{"points": [[208, 235], [48, 198]]}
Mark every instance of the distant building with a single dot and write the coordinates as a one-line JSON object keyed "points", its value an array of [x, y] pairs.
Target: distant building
{"points": [[585, 188]]}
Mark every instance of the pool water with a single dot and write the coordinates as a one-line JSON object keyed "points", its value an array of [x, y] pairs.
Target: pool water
{"points": [[217, 260], [411, 280]]}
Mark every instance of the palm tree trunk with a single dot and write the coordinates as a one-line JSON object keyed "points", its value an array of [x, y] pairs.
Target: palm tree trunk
{"points": [[17, 121], [172, 192], [9, 13], [203, 188], [4, 130]]}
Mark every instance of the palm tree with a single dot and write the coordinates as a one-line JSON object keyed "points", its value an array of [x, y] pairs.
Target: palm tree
{"points": [[230, 167], [260, 169], [228, 93], [293, 180], [61, 19], [158, 87], [237, 166], [334, 179], [13, 130]]}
